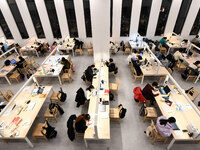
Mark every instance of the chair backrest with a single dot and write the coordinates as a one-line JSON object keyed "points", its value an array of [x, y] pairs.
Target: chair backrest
{"points": [[87, 47], [8, 95], [155, 131], [169, 70], [117, 82], [32, 60], [91, 45], [59, 95]]}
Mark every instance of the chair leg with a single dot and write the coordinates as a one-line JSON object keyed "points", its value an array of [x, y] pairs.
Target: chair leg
{"points": [[144, 118], [165, 141], [154, 140], [45, 138], [34, 138]]}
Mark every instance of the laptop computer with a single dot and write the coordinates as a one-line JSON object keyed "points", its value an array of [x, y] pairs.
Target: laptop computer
{"points": [[13, 61], [164, 90]]}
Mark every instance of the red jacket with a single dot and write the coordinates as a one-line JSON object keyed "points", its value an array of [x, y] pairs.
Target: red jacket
{"points": [[138, 94]]}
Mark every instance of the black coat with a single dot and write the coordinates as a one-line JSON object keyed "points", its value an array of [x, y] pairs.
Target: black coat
{"points": [[70, 127], [80, 97], [80, 126], [89, 73], [137, 67]]}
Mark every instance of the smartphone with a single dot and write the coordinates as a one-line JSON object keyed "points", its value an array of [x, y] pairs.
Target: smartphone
{"points": [[185, 130]]}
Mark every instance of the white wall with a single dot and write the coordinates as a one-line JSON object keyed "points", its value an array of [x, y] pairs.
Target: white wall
{"points": [[117, 6]]}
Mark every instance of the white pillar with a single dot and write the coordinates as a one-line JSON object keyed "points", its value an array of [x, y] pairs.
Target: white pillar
{"points": [[44, 20], [192, 13], [100, 18], [153, 18]]}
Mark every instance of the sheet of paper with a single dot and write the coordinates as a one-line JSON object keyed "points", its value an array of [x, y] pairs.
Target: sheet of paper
{"points": [[178, 133], [31, 106], [166, 109], [105, 115]]}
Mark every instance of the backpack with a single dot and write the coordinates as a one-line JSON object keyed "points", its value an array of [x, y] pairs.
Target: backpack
{"points": [[60, 109], [149, 132], [22, 76], [83, 77], [142, 110], [122, 112], [50, 131], [189, 92], [51, 107], [111, 96], [184, 76], [63, 96]]}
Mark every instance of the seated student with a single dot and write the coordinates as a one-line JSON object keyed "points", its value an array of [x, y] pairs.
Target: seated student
{"points": [[132, 56], [164, 126], [163, 42], [81, 123], [58, 41], [178, 55], [20, 62], [52, 47], [4, 47], [111, 66], [89, 73], [66, 64], [158, 54], [196, 41], [148, 92], [40, 49], [195, 68], [186, 43], [164, 62], [136, 65]]}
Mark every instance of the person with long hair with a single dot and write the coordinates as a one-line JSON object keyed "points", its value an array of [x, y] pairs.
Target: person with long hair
{"points": [[81, 123], [164, 126]]}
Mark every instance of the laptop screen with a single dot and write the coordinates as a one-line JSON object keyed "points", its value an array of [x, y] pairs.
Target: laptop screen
{"points": [[167, 89], [13, 61]]}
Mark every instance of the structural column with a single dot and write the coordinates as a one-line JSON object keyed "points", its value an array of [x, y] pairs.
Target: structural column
{"points": [[100, 18]]}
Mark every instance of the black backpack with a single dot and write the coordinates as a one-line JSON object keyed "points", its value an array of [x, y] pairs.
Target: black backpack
{"points": [[142, 110], [60, 109], [63, 96], [50, 131], [122, 112], [51, 107], [111, 96]]}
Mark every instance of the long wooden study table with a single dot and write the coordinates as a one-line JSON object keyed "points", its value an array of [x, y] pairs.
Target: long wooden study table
{"points": [[17, 119], [182, 110], [52, 62], [100, 127]]}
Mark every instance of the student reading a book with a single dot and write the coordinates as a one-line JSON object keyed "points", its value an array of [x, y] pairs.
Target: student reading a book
{"points": [[164, 126]]}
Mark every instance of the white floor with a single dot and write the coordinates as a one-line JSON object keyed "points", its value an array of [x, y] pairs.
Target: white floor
{"points": [[127, 135]]}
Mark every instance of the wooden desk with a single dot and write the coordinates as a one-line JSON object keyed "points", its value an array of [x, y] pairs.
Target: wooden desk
{"points": [[174, 45], [183, 118], [103, 124], [5, 70], [137, 45], [51, 63], [152, 70], [67, 46], [27, 116], [30, 47]]}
